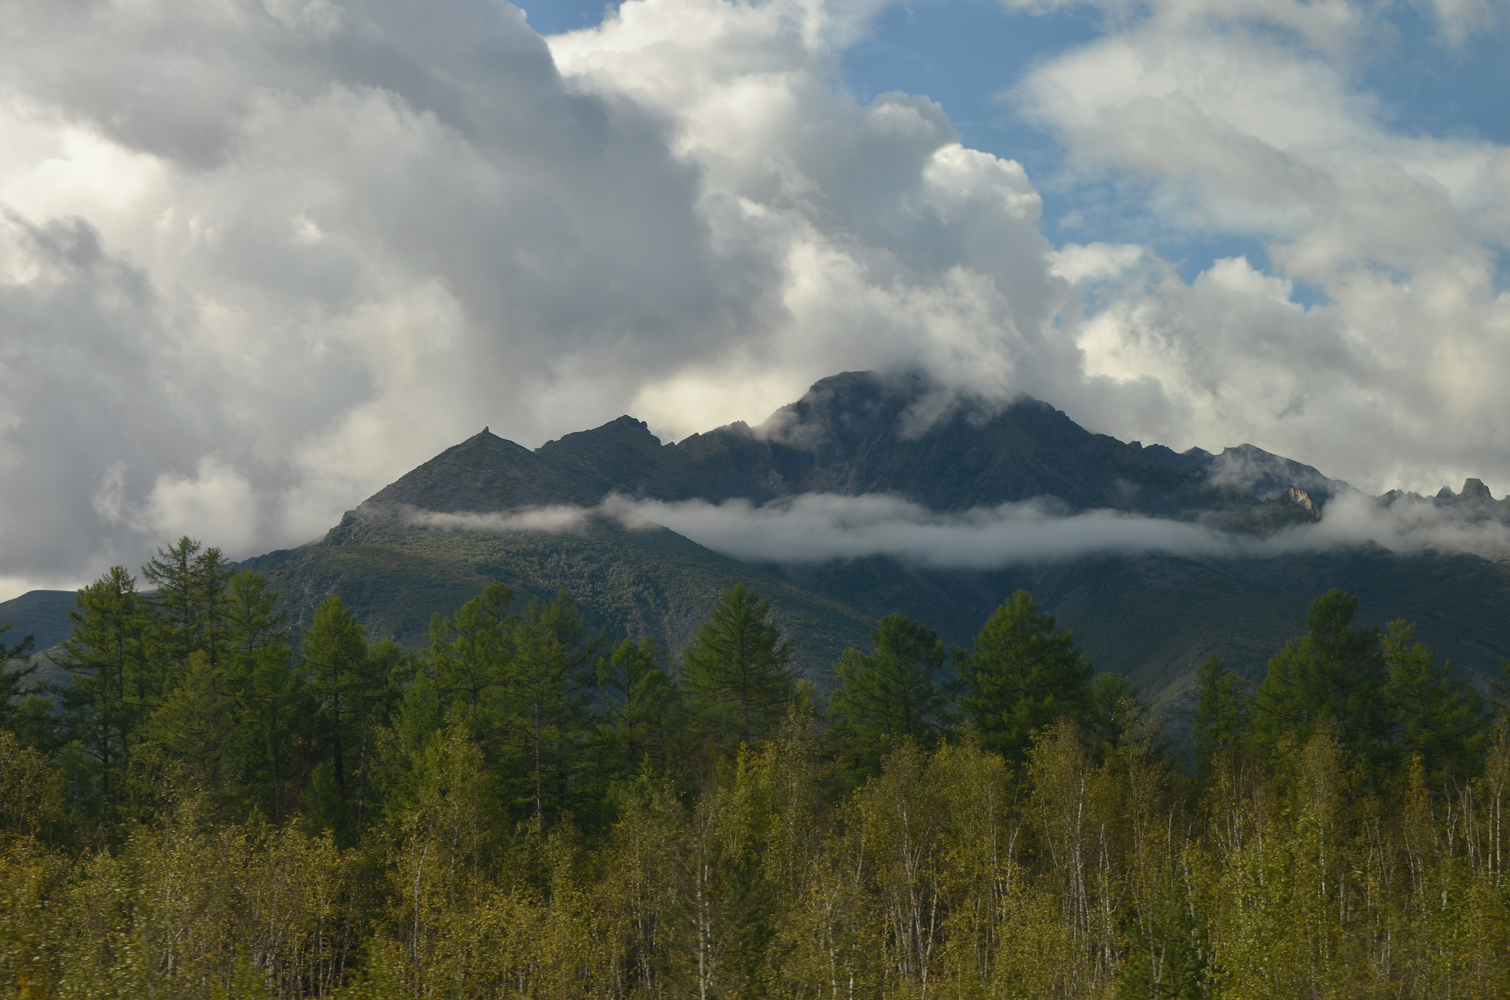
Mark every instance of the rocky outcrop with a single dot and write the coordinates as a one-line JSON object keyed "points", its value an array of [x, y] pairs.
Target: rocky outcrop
{"points": [[1300, 498]]}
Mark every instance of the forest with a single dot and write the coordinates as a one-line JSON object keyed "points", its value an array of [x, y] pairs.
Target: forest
{"points": [[213, 806]]}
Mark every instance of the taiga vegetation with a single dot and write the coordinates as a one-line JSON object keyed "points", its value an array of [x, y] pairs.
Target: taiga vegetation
{"points": [[219, 806]]}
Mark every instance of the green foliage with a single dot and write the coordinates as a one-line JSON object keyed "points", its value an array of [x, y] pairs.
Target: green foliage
{"points": [[14, 670], [1166, 951], [117, 682], [520, 812], [738, 671], [642, 706], [548, 680], [1441, 720], [1223, 713], [335, 655], [1335, 675], [893, 694], [1022, 676], [190, 591], [470, 656]]}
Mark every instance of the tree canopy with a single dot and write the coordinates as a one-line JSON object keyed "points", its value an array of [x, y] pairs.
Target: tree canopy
{"points": [[1023, 675], [221, 804], [738, 671]]}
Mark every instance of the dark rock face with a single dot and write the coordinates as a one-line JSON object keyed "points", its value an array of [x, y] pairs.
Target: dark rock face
{"points": [[857, 433], [1474, 503], [1475, 490]]}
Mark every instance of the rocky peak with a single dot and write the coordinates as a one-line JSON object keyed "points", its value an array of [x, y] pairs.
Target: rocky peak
{"points": [[1474, 489]]}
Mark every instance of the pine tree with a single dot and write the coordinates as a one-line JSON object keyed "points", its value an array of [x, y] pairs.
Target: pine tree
{"points": [[211, 580], [1166, 951], [738, 671], [470, 656], [192, 736], [271, 696], [1441, 720], [896, 692], [1115, 708], [175, 598], [1336, 673], [1022, 676]]}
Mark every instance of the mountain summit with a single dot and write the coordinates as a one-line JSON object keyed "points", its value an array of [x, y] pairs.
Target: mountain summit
{"points": [[858, 433], [1148, 615]]}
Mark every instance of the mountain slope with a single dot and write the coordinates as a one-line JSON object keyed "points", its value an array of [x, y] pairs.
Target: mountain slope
{"points": [[630, 582], [42, 614], [401, 555]]}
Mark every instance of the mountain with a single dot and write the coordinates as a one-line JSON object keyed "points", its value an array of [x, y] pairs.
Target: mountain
{"points": [[41, 614], [630, 582], [489, 509], [860, 433]]}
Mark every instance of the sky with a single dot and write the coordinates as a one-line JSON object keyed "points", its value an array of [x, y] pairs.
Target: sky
{"points": [[258, 258]]}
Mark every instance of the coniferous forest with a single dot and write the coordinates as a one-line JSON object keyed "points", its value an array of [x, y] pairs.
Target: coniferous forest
{"points": [[213, 806]]}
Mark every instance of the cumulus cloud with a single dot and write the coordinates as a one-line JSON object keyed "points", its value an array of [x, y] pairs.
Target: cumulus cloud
{"points": [[1386, 369], [314, 244]]}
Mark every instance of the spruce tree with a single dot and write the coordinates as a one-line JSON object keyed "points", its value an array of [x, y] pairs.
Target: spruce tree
{"points": [[1335, 672], [1023, 675], [738, 670], [895, 692], [1440, 719]]}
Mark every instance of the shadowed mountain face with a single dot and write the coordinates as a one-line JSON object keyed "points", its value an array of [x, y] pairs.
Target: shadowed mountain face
{"points": [[859, 433], [1152, 617], [41, 614]]}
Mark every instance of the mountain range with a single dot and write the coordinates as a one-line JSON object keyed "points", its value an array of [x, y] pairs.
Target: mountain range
{"points": [[489, 509]]}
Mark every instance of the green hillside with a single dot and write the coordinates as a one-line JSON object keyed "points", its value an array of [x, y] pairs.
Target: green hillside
{"points": [[630, 583]]}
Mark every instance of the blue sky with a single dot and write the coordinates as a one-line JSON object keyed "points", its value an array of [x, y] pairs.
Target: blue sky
{"points": [[969, 54]]}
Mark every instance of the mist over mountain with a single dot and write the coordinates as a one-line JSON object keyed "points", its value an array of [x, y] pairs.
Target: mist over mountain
{"points": [[877, 493], [862, 433]]}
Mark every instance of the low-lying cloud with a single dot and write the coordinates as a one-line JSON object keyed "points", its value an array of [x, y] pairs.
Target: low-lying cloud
{"points": [[820, 527]]}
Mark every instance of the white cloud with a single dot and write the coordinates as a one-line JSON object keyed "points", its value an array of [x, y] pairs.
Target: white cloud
{"points": [[216, 502], [819, 527], [1216, 125]]}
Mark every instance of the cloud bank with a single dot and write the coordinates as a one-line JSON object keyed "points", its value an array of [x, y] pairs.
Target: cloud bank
{"points": [[259, 259], [820, 527]]}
